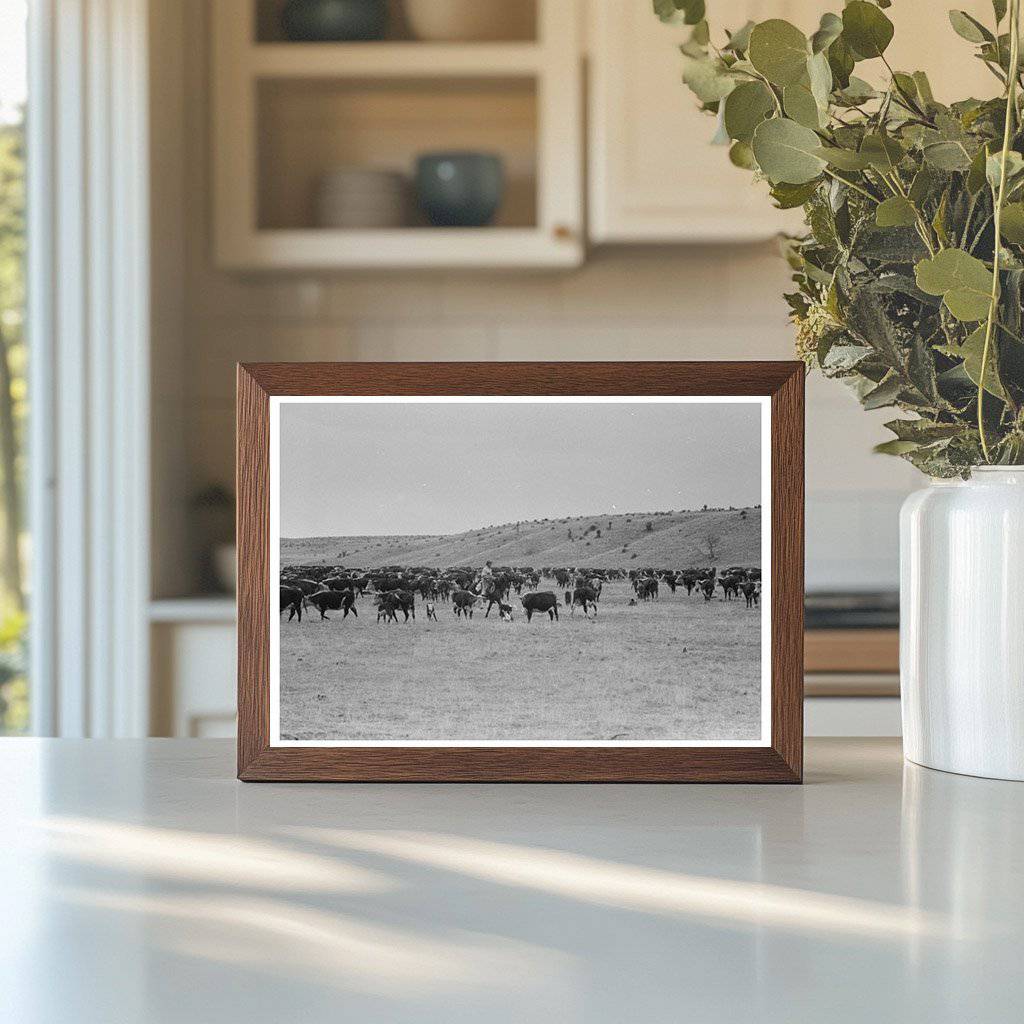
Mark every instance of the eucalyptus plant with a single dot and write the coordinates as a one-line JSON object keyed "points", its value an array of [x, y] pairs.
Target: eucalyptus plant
{"points": [[910, 277]]}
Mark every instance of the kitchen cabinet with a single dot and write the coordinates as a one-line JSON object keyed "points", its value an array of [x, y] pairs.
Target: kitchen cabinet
{"points": [[286, 114], [654, 177]]}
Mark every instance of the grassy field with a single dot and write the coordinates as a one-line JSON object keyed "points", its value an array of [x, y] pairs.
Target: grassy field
{"points": [[682, 538], [678, 668]]}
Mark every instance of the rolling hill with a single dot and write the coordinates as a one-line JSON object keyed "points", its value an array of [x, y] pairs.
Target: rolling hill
{"points": [[669, 539]]}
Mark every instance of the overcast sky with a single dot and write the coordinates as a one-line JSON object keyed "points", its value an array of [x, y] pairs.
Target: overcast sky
{"points": [[401, 468]]}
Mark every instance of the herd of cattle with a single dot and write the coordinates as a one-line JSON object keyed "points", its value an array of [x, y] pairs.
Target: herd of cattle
{"points": [[395, 589]]}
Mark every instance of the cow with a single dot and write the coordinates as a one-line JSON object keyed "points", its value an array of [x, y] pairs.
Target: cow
{"points": [[730, 587], [707, 588], [334, 600], [431, 612], [291, 598], [387, 606], [403, 601], [584, 596], [752, 592], [542, 601], [504, 612], [463, 602]]}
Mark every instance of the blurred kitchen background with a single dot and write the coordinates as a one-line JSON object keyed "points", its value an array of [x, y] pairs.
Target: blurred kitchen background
{"points": [[291, 218]]}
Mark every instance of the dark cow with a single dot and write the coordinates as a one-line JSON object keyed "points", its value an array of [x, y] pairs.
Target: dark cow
{"points": [[585, 597], [387, 607], [291, 598], [333, 600], [504, 612], [541, 602], [707, 588], [403, 601], [752, 592], [463, 602]]}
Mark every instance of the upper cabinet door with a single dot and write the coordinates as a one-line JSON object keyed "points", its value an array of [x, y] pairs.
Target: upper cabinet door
{"points": [[654, 176]]}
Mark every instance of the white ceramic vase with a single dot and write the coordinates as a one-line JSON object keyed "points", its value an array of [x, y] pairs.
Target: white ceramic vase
{"points": [[962, 624]]}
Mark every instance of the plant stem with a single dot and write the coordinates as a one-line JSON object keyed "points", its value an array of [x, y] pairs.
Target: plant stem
{"points": [[853, 185], [1011, 109]]}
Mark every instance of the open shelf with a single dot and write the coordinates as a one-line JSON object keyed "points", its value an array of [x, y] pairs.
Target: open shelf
{"points": [[208, 608], [285, 114], [392, 60], [520, 22], [309, 127]]}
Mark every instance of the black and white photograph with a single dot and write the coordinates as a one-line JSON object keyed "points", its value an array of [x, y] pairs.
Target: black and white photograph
{"points": [[519, 571]]}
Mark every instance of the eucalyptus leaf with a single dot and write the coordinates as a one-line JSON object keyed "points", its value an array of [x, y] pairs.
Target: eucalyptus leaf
{"points": [[972, 351], [969, 28], [741, 155], [857, 91], [788, 196], [947, 156], [845, 159], [884, 395], [745, 108], [779, 51], [976, 175], [708, 80], [882, 152], [690, 12], [801, 106], [866, 29], [924, 87], [739, 41], [1012, 223], [841, 62], [895, 212], [787, 152], [963, 281], [895, 447], [819, 76], [829, 30], [993, 167], [922, 431]]}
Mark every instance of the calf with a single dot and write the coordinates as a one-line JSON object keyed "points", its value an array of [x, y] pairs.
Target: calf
{"points": [[504, 612], [543, 601]]}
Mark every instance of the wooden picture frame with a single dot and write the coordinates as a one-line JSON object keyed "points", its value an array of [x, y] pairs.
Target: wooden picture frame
{"points": [[779, 759]]}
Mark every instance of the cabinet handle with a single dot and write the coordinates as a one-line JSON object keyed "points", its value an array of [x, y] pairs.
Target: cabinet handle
{"points": [[562, 232]]}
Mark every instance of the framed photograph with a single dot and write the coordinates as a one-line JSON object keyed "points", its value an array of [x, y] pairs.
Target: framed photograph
{"points": [[578, 572]]}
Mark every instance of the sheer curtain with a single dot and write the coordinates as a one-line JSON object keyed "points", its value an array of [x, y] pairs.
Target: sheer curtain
{"points": [[88, 335]]}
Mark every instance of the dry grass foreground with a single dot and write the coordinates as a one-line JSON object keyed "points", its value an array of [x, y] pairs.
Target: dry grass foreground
{"points": [[678, 668]]}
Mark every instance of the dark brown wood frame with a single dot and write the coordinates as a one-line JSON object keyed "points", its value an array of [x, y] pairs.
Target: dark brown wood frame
{"points": [[782, 761]]}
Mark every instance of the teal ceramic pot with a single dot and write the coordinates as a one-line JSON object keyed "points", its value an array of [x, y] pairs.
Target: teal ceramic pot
{"points": [[334, 21], [460, 189]]}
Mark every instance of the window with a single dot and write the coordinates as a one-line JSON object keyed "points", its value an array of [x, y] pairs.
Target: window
{"points": [[14, 548]]}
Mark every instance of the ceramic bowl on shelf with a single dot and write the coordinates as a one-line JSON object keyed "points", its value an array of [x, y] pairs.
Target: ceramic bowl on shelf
{"points": [[362, 197], [470, 20], [460, 189], [334, 21]]}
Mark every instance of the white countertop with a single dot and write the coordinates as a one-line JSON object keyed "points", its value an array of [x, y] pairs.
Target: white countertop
{"points": [[140, 882]]}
